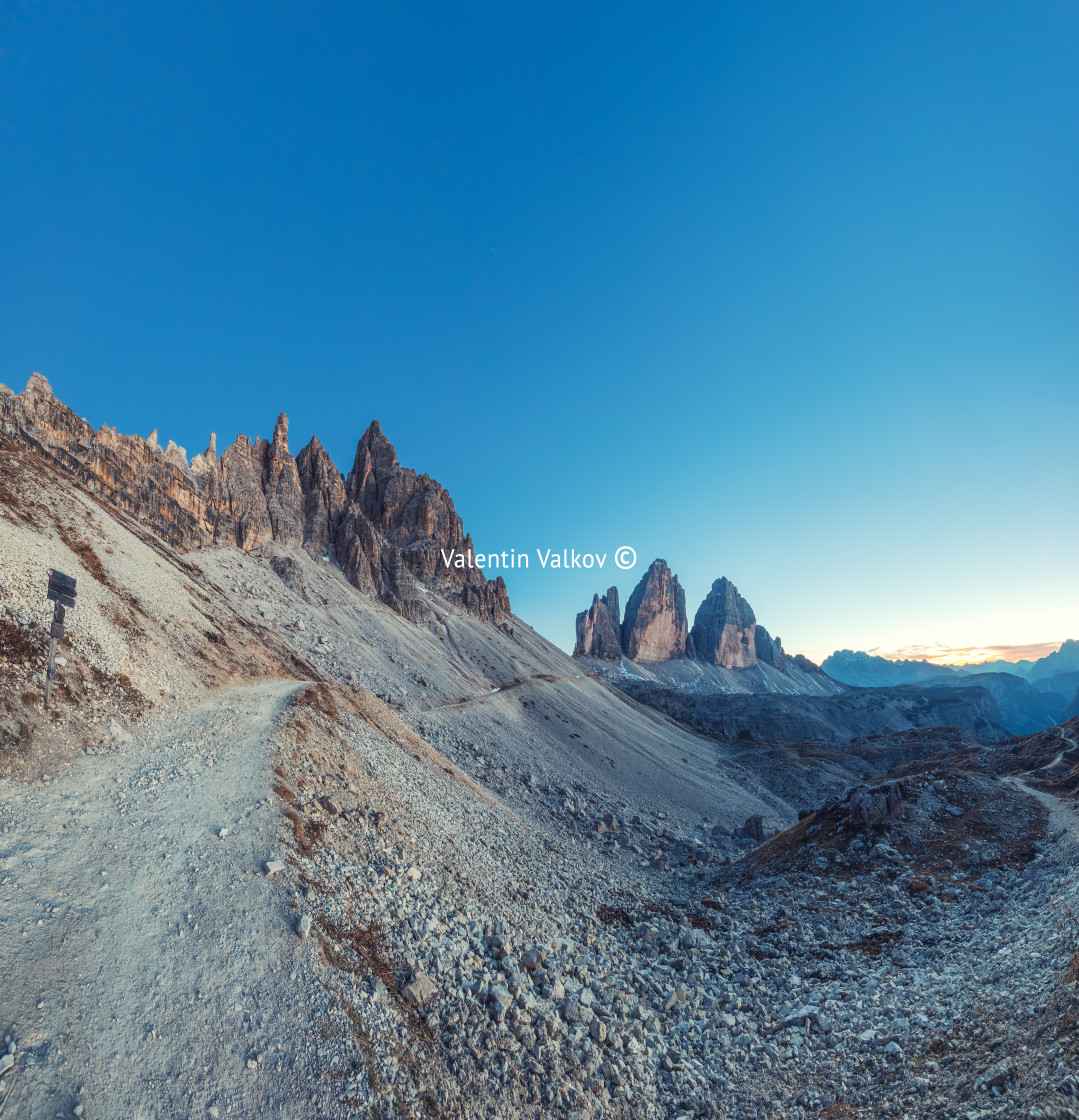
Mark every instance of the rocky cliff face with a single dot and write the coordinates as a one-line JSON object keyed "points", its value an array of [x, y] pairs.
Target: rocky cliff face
{"points": [[769, 650], [324, 496], [599, 629], [385, 524], [725, 631], [655, 627], [724, 628], [281, 485]]}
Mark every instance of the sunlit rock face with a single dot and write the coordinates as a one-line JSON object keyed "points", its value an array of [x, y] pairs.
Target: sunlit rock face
{"points": [[599, 629], [724, 628], [385, 524], [655, 628]]}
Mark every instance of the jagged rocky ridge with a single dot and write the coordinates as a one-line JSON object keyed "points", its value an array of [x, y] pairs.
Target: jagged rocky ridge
{"points": [[384, 523], [725, 631]]}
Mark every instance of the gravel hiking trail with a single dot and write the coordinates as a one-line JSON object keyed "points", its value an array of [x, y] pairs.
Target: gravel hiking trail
{"points": [[1063, 820], [150, 965]]}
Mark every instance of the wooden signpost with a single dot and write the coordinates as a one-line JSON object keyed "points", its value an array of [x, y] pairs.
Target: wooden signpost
{"points": [[62, 593]]}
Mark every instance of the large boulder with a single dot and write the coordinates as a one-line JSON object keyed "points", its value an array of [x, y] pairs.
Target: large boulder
{"points": [[863, 807]]}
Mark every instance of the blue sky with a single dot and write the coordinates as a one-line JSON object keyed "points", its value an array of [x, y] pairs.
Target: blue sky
{"points": [[785, 293]]}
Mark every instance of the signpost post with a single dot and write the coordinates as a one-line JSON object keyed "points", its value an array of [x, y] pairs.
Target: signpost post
{"points": [[62, 593]]}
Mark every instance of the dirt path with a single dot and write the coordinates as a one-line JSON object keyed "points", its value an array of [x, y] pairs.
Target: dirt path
{"points": [[146, 959], [1063, 820], [492, 692]]}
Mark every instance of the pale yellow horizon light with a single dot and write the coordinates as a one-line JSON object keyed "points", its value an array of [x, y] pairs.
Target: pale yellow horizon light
{"points": [[973, 655]]}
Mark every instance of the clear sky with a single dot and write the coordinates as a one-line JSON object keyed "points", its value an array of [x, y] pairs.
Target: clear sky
{"points": [[782, 292]]}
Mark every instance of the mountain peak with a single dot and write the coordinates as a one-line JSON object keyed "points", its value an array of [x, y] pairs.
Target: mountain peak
{"points": [[724, 628], [38, 386], [599, 629], [655, 627]]}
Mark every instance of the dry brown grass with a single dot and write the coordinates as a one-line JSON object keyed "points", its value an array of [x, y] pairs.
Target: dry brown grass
{"points": [[872, 944], [362, 950], [299, 832], [368, 942], [121, 619], [840, 1110], [365, 1044], [17, 644], [88, 558], [320, 698], [33, 738], [616, 915], [333, 702]]}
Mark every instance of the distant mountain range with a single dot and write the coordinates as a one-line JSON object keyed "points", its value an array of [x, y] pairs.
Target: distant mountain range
{"points": [[1056, 672], [1032, 695]]}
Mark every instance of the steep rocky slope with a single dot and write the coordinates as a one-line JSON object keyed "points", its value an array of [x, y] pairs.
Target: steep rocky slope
{"points": [[152, 625]]}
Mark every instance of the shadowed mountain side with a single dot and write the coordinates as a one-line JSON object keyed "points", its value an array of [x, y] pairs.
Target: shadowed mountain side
{"points": [[1024, 709], [808, 772], [829, 719]]}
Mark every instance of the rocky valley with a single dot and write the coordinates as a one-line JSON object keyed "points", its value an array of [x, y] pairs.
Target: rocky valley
{"points": [[315, 826]]}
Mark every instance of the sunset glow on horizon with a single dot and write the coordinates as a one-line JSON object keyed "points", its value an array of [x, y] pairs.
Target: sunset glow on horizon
{"points": [[939, 654]]}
